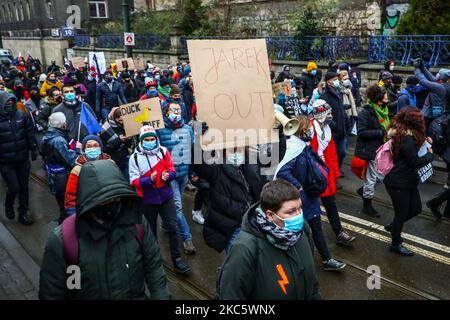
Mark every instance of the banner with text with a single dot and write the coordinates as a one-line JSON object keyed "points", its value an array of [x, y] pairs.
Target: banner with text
{"points": [[140, 113]]}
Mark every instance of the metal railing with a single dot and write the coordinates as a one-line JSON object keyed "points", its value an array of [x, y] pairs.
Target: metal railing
{"points": [[433, 49], [114, 41]]}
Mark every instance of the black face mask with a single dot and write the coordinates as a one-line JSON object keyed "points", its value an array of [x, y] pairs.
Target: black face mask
{"points": [[108, 212], [10, 108]]}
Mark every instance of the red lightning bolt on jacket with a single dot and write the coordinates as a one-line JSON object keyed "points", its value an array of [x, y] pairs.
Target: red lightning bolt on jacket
{"points": [[284, 280]]}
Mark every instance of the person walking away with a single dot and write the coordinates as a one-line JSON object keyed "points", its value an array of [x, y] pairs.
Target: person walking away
{"points": [[294, 169], [16, 142], [274, 244], [108, 94], [151, 172], [323, 145], [116, 252], [408, 135], [58, 158], [178, 136]]}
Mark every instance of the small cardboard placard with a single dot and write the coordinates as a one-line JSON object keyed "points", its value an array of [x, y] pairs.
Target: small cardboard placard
{"points": [[123, 64], [140, 113]]}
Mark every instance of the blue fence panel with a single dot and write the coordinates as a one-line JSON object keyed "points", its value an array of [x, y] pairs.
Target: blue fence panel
{"points": [[433, 49], [82, 40]]}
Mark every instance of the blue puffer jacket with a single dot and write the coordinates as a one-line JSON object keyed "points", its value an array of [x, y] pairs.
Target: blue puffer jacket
{"points": [[16, 134], [56, 150], [106, 98], [179, 142], [295, 173]]}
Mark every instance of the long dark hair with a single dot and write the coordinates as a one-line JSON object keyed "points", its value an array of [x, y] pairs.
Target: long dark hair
{"points": [[409, 121]]}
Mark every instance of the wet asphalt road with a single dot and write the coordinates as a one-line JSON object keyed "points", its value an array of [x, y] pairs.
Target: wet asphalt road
{"points": [[424, 276]]}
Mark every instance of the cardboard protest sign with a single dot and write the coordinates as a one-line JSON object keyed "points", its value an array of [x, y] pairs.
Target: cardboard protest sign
{"points": [[233, 91], [77, 62], [139, 113], [100, 57], [284, 87], [139, 63], [123, 64]]}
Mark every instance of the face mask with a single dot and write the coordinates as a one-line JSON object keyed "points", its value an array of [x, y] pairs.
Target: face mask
{"points": [[149, 145], [152, 93], [391, 67], [176, 100], [293, 224], [336, 84], [93, 153], [108, 78], [347, 83], [314, 72], [59, 99], [235, 159], [174, 118], [53, 80], [384, 104], [327, 122], [71, 96], [108, 211], [157, 77]]}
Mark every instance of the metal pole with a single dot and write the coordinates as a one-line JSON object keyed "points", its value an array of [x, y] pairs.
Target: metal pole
{"points": [[126, 24]]}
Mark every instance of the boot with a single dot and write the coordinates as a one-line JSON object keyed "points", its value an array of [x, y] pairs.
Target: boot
{"points": [[369, 209], [435, 203], [447, 210], [25, 219], [10, 214]]}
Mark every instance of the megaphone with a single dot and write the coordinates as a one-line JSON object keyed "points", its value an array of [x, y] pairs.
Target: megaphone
{"points": [[290, 126]]}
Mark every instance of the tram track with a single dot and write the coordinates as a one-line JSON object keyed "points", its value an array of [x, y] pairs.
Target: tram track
{"points": [[185, 284]]}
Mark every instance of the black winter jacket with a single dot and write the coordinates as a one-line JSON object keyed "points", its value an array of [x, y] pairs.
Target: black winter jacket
{"points": [[309, 83], [233, 191], [112, 144], [370, 134], [16, 134], [406, 164], [341, 123]]}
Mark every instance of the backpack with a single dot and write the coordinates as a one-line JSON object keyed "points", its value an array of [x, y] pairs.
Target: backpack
{"points": [[384, 159], [70, 240], [136, 161], [437, 130], [317, 174]]}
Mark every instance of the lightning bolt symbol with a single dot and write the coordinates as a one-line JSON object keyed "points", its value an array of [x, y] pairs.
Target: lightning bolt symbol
{"points": [[284, 280]]}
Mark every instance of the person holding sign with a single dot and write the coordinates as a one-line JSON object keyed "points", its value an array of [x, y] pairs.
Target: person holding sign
{"points": [[178, 138], [108, 94], [408, 135], [151, 173]]}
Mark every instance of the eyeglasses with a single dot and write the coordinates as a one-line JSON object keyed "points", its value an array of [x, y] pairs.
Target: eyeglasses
{"points": [[175, 110]]}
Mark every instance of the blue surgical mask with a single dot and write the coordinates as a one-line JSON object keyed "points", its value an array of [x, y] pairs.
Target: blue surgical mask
{"points": [[314, 72], [293, 224], [157, 77], [152, 93], [347, 83], [235, 159], [174, 118], [70, 96], [149, 145], [336, 84], [93, 153]]}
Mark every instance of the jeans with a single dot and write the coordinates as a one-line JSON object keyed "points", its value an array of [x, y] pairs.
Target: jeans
{"points": [[16, 175], [341, 147], [167, 212], [407, 204], [231, 241], [332, 213], [105, 114], [57, 185], [178, 186], [371, 179], [319, 238]]}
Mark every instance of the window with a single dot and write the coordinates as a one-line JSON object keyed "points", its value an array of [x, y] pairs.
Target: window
{"points": [[50, 10], [21, 11], [98, 9], [10, 13], [28, 9], [17, 12]]}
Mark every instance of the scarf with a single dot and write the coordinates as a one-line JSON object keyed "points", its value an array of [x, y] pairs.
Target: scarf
{"points": [[164, 91], [382, 114], [323, 136], [280, 238], [294, 147]]}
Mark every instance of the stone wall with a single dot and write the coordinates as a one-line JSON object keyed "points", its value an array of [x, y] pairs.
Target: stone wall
{"points": [[45, 49]]}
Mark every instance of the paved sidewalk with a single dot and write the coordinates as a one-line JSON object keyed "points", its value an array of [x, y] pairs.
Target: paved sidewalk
{"points": [[19, 274]]}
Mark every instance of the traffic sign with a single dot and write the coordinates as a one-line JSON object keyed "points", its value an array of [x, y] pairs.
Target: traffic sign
{"points": [[68, 32], [129, 39]]}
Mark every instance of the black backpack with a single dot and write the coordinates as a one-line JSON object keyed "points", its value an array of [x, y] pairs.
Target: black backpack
{"points": [[317, 174], [438, 131]]}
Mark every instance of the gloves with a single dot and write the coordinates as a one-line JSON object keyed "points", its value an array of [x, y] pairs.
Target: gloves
{"points": [[200, 129], [34, 154], [204, 127]]}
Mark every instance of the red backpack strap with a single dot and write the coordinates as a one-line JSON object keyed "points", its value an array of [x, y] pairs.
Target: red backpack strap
{"points": [[70, 240], [140, 235]]}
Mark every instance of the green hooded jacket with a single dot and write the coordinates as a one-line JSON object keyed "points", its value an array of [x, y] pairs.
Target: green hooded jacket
{"points": [[257, 270], [112, 263]]}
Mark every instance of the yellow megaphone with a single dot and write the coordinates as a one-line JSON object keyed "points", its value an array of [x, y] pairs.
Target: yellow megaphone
{"points": [[290, 126]]}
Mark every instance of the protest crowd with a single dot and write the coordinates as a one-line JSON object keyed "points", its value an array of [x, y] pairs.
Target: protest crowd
{"points": [[111, 186]]}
